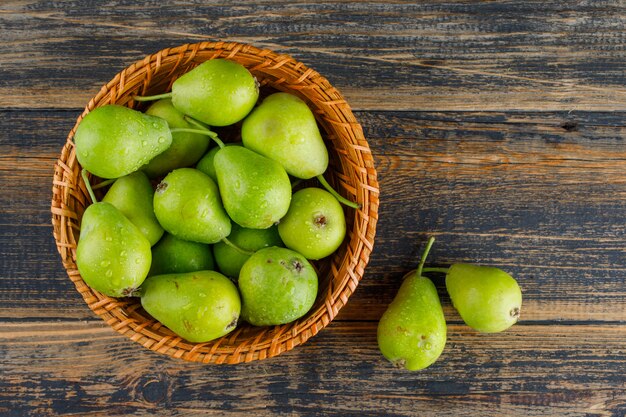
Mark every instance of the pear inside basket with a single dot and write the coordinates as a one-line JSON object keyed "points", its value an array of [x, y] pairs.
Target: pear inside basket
{"points": [[289, 294]]}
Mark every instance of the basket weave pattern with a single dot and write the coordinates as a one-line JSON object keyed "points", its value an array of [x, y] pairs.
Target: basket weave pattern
{"points": [[351, 172]]}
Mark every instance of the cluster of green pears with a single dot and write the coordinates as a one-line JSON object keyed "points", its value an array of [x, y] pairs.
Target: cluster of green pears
{"points": [[412, 331], [229, 209]]}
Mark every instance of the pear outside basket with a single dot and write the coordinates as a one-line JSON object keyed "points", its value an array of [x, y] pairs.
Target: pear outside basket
{"points": [[351, 172]]}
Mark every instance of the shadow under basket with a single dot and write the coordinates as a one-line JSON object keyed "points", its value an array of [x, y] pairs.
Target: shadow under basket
{"points": [[351, 172]]}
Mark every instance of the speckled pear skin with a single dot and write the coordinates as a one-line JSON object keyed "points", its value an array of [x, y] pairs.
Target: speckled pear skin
{"points": [[230, 260], [186, 148], [112, 255], [133, 195], [255, 190], [198, 306], [187, 204], [412, 331], [315, 224], [277, 286], [284, 129], [217, 92], [172, 255], [113, 141], [487, 298]]}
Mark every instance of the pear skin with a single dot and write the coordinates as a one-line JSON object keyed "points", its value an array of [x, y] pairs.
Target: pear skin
{"points": [[217, 92], [187, 204], [198, 306], [172, 255], [256, 190], [132, 194], [412, 331], [112, 255], [113, 141], [487, 298], [284, 129], [186, 148]]}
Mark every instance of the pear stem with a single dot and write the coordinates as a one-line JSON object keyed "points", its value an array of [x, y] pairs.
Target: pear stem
{"points": [[195, 122], [152, 98], [237, 248], [104, 183], [296, 183], [442, 270], [205, 132], [84, 173], [429, 244], [341, 199]]}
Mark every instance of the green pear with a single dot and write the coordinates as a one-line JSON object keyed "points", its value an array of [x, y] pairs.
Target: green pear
{"points": [[230, 260], [218, 92], [487, 298], [412, 331], [256, 190], [173, 255], [315, 224], [113, 141], [206, 165], [112, 255], [277, 286], [283, 128], [133, 195], [187, 204], [186, 148], [198, 306]]}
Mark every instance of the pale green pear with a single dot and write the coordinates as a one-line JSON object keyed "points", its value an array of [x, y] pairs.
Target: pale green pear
{"points": [[186, 148], [113, 141], [133, 195], [277, 286], [256, 190], [172, 255], [187, 204], [412, 331], [487, 298], [198, 306], [218, 92], [283, 128], [112, 255], [230, 260]]}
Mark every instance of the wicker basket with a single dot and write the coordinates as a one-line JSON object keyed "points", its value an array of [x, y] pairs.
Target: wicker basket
{"points": [[351, 172]]}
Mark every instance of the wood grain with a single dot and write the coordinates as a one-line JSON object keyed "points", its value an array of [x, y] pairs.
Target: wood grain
{"points": [[92, 371], [432, 55], [515, 190], [497, 126]]}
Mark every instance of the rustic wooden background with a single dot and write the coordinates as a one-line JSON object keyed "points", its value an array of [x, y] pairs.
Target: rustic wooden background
{"points": [[497, 126]]}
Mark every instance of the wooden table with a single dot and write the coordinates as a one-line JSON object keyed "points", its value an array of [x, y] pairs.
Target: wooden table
{"points": [[497, 126]]}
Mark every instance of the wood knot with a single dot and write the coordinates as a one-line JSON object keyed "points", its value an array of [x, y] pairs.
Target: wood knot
{"points": [[155, 390], [570, 126]]}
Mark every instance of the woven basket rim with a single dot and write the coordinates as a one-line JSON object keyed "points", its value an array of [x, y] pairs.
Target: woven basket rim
{"points": [[281, 72]]}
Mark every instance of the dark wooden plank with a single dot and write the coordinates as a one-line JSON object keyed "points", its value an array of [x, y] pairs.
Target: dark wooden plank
{"points": [[517, 190], [430, 55], [84, 368]]}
